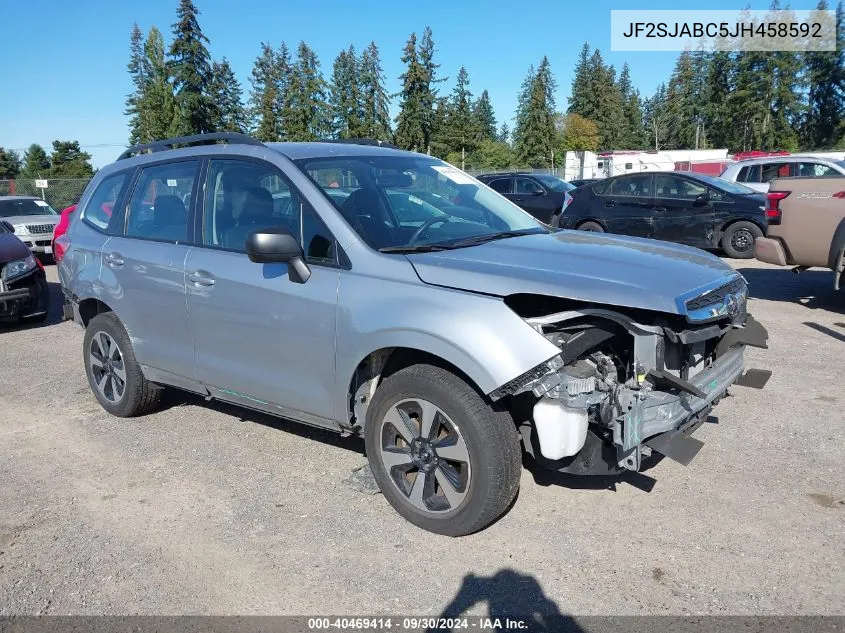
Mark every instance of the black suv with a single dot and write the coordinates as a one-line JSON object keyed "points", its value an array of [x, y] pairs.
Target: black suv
{"points": [[684, 207], [542, 195]]}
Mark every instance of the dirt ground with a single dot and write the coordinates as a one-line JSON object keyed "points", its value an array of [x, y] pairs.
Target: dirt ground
{"points": [[205, 509]]}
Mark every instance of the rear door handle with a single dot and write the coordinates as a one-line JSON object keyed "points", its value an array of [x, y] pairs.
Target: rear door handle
{"points": [[660, 208], [114, 260], [201, 278], [609, 203]]}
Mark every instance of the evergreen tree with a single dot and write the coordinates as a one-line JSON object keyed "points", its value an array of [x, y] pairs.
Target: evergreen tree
{"points": [[375, 117], [634, 132], [721, 130], [36, 163], [485, 119], [442, 140], [504, 135], [656, 118], [226, 92], [581, 100], [139, 72], [265, 96], [69, 161], [825, 73], [10, 164], [523, 99], [428, 94], [535, 134], [158, 109], [411, 121], [683, 104], [191, 70], [344, 96], [607, 109], [306, 112], [461, 128]]}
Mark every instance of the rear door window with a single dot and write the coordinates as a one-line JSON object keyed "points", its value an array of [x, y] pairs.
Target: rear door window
{"points": [[633, 186], [161, 201], [501, 185], [770, 171]]}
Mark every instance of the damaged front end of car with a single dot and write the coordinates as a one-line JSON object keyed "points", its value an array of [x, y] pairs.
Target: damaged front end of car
{"points": [[23, 289], [627, 382]]}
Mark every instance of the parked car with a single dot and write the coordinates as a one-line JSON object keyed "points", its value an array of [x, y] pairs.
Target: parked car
{"points": [[687, 208], [806, 225], [32, 219], [757, 173], [580, 182], [24, 293], [59, 230], [446, 344], [542, 195]]}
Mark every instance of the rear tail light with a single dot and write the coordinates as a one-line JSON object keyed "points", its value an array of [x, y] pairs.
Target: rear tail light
{"points": [[60, 245], [773, 212]]}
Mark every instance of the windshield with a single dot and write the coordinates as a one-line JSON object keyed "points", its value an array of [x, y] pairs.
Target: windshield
{"points": [[24, 206], [554, 183], [394, 202], [840, 163], [725, 185]]}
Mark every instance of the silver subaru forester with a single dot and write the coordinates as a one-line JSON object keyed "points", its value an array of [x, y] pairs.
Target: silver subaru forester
{"points": [[384, 293]]}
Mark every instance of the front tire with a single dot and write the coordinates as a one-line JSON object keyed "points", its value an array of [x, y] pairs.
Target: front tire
{"points": [[738, 240], [445, 459], [114, 375]]}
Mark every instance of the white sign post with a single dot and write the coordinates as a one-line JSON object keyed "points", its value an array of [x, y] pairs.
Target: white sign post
{"points": [[41, 184]]}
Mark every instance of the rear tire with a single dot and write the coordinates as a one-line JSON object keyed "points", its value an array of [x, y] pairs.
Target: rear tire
{"points": [[114, 375], [426, 422], [594, 227], [738, 240]]}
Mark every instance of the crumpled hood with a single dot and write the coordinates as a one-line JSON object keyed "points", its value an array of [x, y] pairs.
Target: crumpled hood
{"points": [[11, 248], [591, 267]]}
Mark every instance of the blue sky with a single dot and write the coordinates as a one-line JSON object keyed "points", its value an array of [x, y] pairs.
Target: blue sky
{"points": [[65, 62]]}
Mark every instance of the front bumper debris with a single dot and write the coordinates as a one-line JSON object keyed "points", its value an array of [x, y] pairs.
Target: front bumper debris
{"points": [[656, 409]]}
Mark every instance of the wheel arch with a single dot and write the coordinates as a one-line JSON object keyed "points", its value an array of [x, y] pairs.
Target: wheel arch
{"points": [[91, 307], [583, 221], [837, 244]]}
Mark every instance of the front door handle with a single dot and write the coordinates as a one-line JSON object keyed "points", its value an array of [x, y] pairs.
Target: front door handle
{"points": [[201, 278], [114, 260], [609, 203], [660, 209]]}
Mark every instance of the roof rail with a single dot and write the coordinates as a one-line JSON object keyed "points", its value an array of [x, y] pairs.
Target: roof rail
{"points": [[196, 139], [362, 141]]}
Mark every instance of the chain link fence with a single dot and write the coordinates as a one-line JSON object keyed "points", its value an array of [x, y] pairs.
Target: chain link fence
{"points": [[59, 192]]}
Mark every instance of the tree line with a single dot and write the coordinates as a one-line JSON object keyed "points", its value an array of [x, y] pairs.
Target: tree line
{"points": [[67, 160], [736, 100]]}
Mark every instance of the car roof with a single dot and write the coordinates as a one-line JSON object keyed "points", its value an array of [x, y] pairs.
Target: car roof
{"points": [[780, 159], [6, 198], [316, 149]]}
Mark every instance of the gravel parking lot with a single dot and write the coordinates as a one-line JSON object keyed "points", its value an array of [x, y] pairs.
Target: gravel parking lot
{"points": [[206, 509]]}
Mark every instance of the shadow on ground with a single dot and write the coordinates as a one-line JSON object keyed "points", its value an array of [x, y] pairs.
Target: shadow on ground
{"points": [[173, 398], [839, 336], [516, 600], [811, 288]]}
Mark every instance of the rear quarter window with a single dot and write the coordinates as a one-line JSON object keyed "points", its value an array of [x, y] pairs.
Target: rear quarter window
{"points": [[102, 206]]}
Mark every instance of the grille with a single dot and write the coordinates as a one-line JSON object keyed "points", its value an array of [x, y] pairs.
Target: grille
{"points": [[35, 229], [716, 296]]}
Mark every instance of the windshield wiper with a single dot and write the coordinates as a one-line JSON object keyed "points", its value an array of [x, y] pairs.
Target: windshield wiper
{"points": [[416, 248], [445, 246], [489, 237]]}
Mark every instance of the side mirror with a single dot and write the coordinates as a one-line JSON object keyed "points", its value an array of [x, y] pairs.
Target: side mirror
{"points": [[701, 200], [8, 226], [538, 192], [278, 246]]}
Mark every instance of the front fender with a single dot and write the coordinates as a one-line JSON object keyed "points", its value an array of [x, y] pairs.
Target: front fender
{"points": [[478, 334]]}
